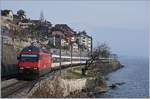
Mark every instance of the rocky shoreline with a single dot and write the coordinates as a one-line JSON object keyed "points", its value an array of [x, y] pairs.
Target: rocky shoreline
{"points": [[100, 85], [71, 84]]}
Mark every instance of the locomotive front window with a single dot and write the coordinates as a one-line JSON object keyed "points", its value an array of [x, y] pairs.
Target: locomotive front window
{"points": [[29, 58]]}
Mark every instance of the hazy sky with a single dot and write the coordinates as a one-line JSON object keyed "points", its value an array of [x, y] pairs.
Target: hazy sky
{"points": [[122, 24]]}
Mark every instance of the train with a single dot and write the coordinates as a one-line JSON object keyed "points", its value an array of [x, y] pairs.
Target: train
{"points": [[35, 61], [66, 60]]}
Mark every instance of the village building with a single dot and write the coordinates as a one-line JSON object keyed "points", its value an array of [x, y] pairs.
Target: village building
{"points": [[45, 32], [84, 40], [63, 31], [7, 15], [24, 24]]}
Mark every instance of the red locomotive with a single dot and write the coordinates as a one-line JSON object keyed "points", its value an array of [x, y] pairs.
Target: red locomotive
{"points": [[34, 61]]}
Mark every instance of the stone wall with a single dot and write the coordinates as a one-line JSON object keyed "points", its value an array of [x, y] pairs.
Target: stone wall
{"points": [[58, 87], [8, 60]]}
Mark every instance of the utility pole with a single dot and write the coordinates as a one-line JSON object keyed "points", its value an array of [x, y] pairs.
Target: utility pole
{"points": [[60, 54], [71, 55], [91, 44], [80, 55]]}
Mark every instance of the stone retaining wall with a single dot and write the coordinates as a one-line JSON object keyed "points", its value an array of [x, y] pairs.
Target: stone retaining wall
{"points": [[58, 87], [72, 85]]}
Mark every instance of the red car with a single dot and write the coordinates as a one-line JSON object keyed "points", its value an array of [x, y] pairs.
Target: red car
{"points": [[34, 61]]}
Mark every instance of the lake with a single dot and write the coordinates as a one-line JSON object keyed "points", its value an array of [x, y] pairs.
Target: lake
{"points": [[135, 74]]}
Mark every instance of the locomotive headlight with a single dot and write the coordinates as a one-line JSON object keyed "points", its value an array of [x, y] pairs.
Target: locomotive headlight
{"points": [[35, 68], [21, 68]]}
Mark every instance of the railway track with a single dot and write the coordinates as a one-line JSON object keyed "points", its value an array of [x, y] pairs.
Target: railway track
{"points": [[14, 88], [20, 85]]}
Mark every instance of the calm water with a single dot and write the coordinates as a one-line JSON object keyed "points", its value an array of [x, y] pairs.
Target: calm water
{"points": [[135, 74]]}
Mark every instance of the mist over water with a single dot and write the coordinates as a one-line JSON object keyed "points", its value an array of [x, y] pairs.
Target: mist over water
{"points": [[135, 74]]}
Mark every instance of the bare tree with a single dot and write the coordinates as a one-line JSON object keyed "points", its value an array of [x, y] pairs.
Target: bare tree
{"points": [[102, 50]]}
